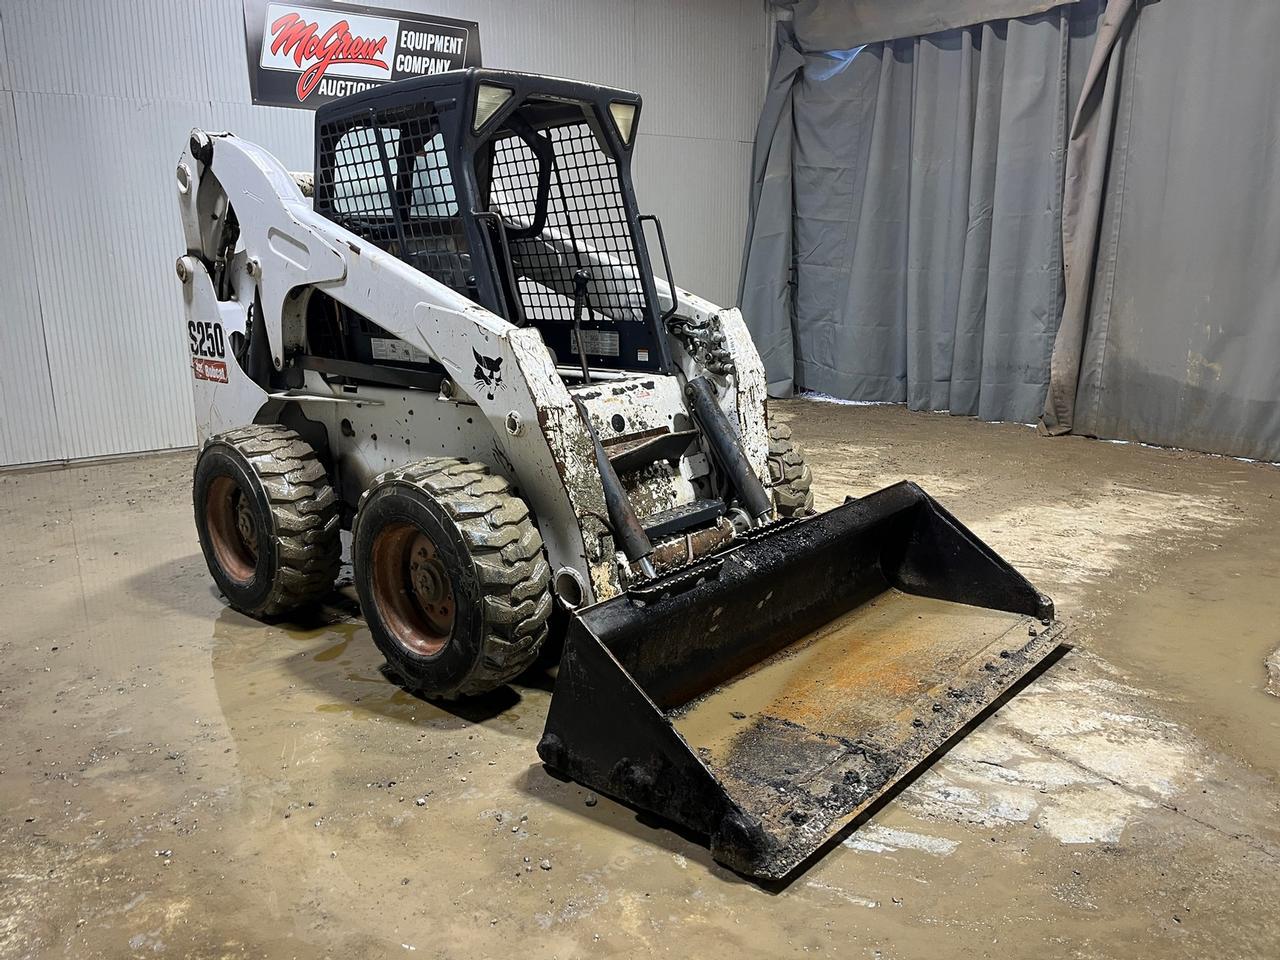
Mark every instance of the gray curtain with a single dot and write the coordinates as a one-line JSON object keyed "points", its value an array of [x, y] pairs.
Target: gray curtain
{"points": [[842, 24], [1171, 333], [765, 284], [925, 216]]}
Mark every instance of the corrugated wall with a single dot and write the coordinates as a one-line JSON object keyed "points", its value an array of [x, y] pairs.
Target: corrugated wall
{"points": [[95, 99], [27, 418]]}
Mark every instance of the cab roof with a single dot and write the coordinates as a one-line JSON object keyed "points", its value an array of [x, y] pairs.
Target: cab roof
{"points": [[461, 85]]}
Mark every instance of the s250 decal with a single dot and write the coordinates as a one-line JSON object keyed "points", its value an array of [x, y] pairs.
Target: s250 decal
{"points": [[208, 350], [207, 339]]}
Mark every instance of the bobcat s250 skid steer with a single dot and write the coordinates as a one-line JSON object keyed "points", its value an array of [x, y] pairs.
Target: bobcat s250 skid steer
{"points": [[454, 343]]}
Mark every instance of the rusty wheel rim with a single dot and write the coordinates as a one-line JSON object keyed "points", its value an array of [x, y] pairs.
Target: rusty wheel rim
{"points": [[412, 589], [233, 529]]}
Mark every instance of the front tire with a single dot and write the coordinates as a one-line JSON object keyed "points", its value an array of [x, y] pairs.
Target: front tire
{"points": [[452, 577], [267, 519], [790, 479]]}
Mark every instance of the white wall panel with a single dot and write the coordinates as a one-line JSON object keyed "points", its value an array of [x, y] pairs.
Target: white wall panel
{"points": [[105, 233], [104, 93], [700, 67], [139, 50], [28, 422], [4, 58], [697, 187], [582, 39]]}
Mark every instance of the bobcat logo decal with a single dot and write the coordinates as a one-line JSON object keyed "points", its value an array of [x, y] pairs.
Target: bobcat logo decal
{"points": [[488, 373]]}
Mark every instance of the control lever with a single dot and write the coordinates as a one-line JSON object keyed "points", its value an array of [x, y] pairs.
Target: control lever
{"points": [[580, 280]]}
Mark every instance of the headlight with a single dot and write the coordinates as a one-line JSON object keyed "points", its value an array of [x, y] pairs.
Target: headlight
{"points": [[488, 99], [624, 118]]}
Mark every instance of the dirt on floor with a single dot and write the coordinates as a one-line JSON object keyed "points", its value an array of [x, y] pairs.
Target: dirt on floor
{"points": [[179, 781]]}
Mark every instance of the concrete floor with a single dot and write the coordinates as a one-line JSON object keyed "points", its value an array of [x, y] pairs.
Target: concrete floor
{"points": [[178, 781]]}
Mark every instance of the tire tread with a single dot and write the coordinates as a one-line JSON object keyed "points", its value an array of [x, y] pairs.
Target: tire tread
{"points": [[508, 557], [306, 532], [791, 481]]}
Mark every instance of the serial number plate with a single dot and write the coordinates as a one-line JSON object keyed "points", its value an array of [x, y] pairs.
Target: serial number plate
{"points": [[602, 343], [387, 348]]}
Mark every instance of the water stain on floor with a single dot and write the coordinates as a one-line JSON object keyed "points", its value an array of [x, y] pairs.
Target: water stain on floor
{"points": [[1078, 754]]}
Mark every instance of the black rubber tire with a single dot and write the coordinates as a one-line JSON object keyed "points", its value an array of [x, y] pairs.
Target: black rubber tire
{"points": [[790, 480], [293, 510], [492, 552]]}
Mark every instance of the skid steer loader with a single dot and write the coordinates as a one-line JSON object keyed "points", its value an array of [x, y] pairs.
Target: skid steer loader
{"points": [[452, 341]]}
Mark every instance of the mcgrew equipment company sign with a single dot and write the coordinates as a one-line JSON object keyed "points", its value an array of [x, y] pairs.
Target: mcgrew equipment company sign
{"points": [[306, 54]]}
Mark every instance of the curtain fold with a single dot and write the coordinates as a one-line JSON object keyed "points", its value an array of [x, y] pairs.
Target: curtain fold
{"points": [[1084, 190], [765, 287]]}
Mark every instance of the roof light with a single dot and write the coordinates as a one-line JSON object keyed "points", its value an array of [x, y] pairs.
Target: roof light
{"points": [[624, 118], [488, 99]]}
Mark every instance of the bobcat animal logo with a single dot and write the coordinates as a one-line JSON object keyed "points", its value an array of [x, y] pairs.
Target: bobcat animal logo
{"points": [[488, 372]]}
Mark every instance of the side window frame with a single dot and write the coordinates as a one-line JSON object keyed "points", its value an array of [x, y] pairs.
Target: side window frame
{"points": [[368, 169]]}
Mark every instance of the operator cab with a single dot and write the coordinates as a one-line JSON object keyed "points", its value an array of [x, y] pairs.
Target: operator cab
{"points": [[512, 189]]}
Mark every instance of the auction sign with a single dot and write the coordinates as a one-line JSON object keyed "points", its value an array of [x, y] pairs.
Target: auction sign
{"points": [[306, 54]]}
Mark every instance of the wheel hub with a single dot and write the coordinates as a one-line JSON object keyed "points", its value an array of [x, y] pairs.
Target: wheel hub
{"points": [[431, 586], [246, 525], [413, 589], [232, 529]]}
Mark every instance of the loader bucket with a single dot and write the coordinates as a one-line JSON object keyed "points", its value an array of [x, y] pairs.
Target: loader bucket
{"points": [[767, 695]]}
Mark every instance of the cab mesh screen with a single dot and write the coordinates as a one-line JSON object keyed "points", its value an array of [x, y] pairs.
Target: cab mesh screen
{"points": [[386, 179], [585, 214]]}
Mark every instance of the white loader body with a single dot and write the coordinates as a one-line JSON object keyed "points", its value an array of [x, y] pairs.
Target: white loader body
{"points": [[524, 425]]}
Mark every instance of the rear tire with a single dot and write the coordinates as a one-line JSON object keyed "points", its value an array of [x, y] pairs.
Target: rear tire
{"points": [[267, 520], [790, 479], [452, 577]]}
